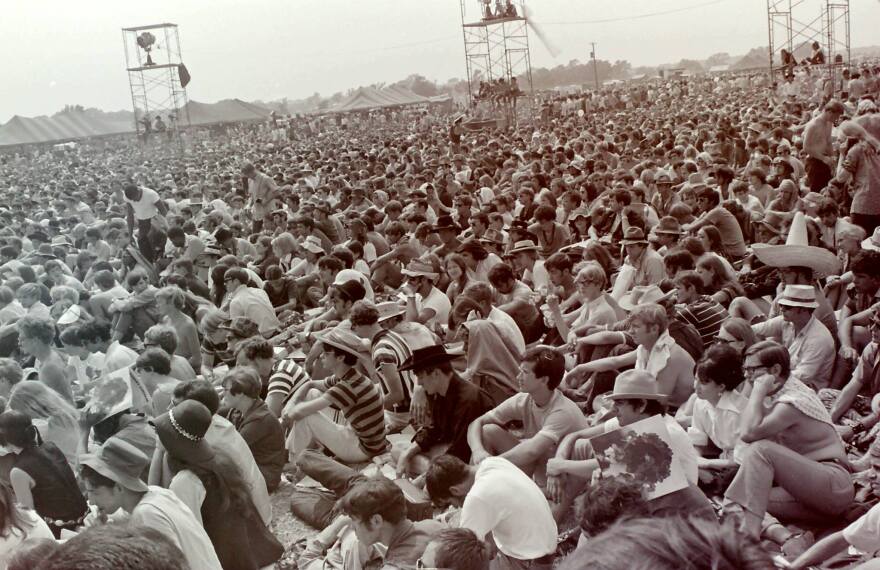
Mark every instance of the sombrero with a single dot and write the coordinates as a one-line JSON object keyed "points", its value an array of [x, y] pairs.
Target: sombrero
{"points": [[796, 252]]}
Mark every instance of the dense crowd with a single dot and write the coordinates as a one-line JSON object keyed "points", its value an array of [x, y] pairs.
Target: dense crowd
{"points": [[428, 331]]}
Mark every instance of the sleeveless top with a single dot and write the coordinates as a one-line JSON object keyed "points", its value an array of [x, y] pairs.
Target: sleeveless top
{"points": [[56, 494]]}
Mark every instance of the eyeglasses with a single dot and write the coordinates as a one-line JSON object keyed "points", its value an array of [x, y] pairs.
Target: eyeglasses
{"points": [[750, 370]]}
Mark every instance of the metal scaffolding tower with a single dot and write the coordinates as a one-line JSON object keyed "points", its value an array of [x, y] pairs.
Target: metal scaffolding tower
{"points": [[496, 47], [792, 28], [157, 78]]}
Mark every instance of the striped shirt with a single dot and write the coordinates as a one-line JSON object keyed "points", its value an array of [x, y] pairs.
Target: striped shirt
{"points": [[391, 348], [707, 316], [361, 403], [287, 376]]}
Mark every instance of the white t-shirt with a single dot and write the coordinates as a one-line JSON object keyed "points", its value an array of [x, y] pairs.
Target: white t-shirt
{"points": [[439, 302], [555, 420], [160, 509], [506, 502], [539, 277], [145, 208], [864, 533]]}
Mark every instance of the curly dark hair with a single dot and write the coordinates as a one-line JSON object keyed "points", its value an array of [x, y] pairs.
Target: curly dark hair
{"points": [[649, 459]]}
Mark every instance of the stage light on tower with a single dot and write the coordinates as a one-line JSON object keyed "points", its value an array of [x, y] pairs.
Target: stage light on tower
{"points": [[146, 41]]}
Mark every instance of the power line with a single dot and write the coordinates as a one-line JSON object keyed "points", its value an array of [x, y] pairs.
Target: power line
{"points": [[636, 17]]}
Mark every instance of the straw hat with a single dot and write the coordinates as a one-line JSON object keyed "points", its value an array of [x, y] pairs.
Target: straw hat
{"points": [[420, 268], [873, 242], [579, 212], [643, 295], [523, 246], [389, 310], [796, 252], [120, 462], [313, 244], [344, 340], [635, 384], [799, 296]]}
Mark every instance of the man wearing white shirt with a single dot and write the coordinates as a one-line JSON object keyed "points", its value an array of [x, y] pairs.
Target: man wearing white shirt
{"points": [[144, 205], [250, 302], [498, 499]]}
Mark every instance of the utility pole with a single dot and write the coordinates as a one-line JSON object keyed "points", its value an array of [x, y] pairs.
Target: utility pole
{"points": [[595, 66]]}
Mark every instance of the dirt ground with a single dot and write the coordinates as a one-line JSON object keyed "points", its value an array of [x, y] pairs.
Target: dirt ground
{"points": [[286, 527]]}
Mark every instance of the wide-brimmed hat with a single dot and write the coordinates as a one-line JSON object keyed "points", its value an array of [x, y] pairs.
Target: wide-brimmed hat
{"points": [[445, 222], [420, 268], [427, 357], [796, 252], [579, 212], [313, 244], [243, 327], [45, 251], [61, 241], [343, 340], [390, 309], [643, 295], [524, 245], [636, 384], [772, 221], [119, 461], [182, 431], [872, 242], [633, 235], [799, 296], [668, 225]]}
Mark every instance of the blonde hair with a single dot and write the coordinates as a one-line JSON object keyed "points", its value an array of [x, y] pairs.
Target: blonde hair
{"points": [[38, 401]]}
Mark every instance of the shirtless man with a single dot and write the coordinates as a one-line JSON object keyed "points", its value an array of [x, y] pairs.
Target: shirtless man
{"points": [[820, 163], [795, 465], [649, 330], [36, 337]]}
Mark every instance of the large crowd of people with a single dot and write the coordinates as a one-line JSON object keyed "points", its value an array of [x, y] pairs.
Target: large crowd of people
{"points": [[424, 330]]}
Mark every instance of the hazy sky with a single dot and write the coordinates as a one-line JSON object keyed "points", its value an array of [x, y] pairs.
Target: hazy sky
{"points": [[59, 52]]}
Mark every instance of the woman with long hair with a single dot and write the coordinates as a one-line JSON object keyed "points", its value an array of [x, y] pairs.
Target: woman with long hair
{"points": [[17, 524], [284, 249], [40, 476], [457, 272], [265, 257], [47, 408], [218, 285], [213, 488], [719, 279], [478, 260], [711, 238], [595, 251]]}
